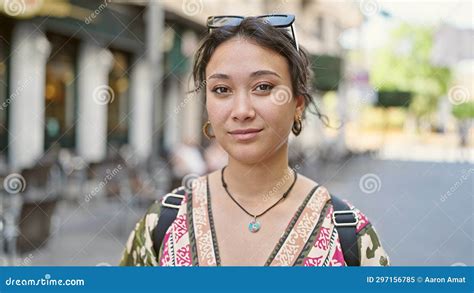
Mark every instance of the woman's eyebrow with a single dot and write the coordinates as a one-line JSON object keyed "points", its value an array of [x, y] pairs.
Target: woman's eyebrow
{"points": [[264, 72], [219, 76], [253, 74]]}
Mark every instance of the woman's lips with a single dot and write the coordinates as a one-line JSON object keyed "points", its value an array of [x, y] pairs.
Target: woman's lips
{"points": [[245, 134]]}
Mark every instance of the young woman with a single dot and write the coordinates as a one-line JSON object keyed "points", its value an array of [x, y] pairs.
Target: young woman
{"points": [[257, 210]]}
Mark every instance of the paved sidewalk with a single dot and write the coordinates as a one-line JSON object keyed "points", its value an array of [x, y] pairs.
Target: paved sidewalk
{"points": [[423, 211]]}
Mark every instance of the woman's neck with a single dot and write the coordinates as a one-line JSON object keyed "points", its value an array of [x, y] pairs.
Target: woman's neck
{"points": [[262, 181]]}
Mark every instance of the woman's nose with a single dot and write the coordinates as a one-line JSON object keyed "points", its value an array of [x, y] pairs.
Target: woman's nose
{"points": [[243, 107]]}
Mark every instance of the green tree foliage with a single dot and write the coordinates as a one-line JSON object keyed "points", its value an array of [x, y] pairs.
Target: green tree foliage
{"points": [[405, 65], [464, 110]]}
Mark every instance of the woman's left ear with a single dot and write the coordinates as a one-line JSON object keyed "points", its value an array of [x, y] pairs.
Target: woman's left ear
{"points": [[300, 104]]}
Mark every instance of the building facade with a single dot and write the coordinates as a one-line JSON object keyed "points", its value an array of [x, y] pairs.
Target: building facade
{"points": [[94, 75]]}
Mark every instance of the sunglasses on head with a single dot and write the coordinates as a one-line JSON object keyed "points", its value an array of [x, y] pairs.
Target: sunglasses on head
{"points": [[283, 21]]}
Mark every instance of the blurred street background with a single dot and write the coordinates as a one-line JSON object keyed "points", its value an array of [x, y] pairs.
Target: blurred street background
{"points": [[97, 122]]}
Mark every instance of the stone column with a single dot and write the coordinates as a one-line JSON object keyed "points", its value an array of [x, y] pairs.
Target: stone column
{"points": [[30, 51], [94, 95]]}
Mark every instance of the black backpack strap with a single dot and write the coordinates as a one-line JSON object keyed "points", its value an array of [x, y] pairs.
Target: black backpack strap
{"points": [[170, 205], [345, 219]]}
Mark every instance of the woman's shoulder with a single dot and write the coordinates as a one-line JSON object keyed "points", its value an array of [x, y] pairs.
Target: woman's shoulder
{"points": [[363, 222], [140, 248], [370, 245], [174, 198], [328, 198]]}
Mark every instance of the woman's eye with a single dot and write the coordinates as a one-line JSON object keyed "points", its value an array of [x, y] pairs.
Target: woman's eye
{"points": [[220, 90], [264, 87]]}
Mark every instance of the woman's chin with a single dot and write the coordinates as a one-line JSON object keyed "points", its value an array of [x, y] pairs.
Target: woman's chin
{"points": [[249, 154]]}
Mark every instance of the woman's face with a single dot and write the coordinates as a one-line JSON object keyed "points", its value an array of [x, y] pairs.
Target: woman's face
{"points": [[249, 99]]}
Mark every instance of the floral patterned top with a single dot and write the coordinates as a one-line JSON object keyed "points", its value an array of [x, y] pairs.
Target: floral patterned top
{"points": [[309, 240]]}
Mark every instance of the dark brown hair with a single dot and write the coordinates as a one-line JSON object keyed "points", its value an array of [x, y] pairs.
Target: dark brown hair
{"points": [[267, 36]]}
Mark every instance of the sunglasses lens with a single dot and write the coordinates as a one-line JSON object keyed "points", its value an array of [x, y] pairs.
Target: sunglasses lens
{"points": [[279, 20], [224, 21]]}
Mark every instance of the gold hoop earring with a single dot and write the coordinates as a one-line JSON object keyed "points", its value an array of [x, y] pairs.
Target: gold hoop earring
{"points": [[297, 126], [205, 130]]}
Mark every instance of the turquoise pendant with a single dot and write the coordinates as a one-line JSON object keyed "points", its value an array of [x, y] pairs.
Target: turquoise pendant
{"points": [[254, 226]]}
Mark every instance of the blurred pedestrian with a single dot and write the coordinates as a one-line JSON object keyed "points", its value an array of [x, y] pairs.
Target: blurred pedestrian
{"points": [[187, 159]]}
